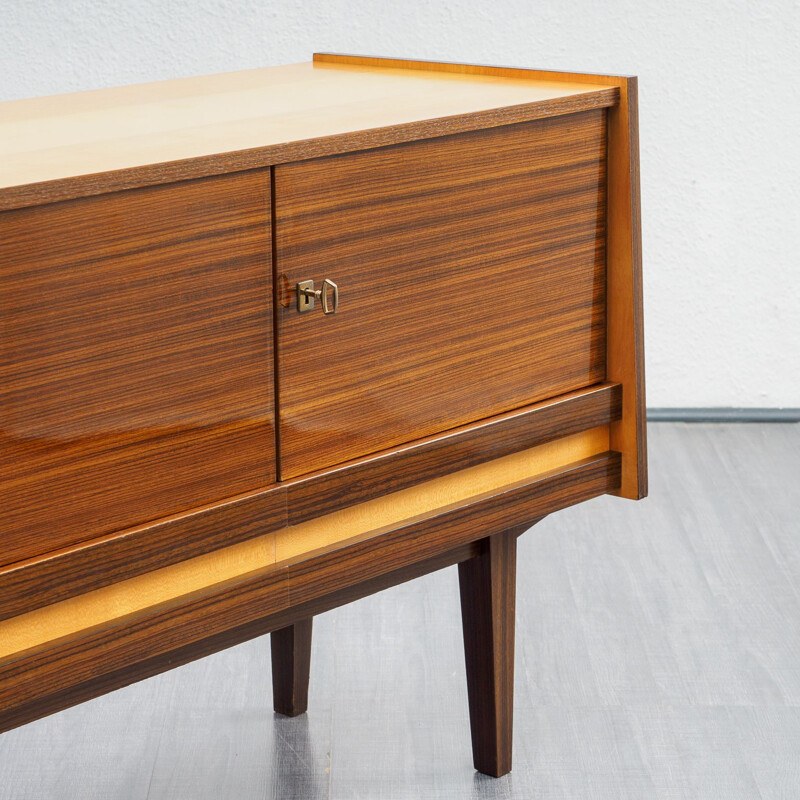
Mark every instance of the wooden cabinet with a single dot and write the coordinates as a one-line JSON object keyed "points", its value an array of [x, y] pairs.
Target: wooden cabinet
{"points": [[190, 456]]}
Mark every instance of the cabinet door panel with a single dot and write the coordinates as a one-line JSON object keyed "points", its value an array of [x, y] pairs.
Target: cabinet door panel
{"points": [[135, 358], [472, 277]]}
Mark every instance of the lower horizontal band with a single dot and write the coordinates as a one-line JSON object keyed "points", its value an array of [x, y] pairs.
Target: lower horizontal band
{"points": [[100, 606]]}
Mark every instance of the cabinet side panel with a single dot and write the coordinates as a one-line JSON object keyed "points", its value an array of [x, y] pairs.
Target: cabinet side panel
{"points": [[625, 307], [135, 358]]}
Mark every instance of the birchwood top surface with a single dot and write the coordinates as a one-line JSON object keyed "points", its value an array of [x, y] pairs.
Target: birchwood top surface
{"points": [[89, 142]]}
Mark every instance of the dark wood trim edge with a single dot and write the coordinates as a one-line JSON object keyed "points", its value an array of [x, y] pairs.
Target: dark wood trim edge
{"points": [[638, 286], [58, 576], [148, 667], [399, 468], [52, 191], [455, 66], [139, 645], [92, 565], [329, 569], [625, 320]]}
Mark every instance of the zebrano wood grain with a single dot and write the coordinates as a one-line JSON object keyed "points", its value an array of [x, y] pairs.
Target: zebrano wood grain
{"points": [[502, 509], [103, 658], [149, 666], [135, 551], [128, 553], [98, 607], [136, 358], [407, 465], [625, 340], [471, 272]]}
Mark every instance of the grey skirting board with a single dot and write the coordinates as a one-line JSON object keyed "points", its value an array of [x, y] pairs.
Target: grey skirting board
{"points": [[723, 414]]}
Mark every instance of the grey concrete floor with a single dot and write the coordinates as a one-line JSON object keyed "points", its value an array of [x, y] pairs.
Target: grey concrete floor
{"points": [[658, 656]]}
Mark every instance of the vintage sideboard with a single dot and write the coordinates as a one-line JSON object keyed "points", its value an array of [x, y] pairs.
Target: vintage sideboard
{"points": [[274, 340]]}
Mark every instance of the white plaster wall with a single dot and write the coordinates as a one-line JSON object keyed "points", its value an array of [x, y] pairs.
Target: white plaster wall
{"points": [[719, 116]]}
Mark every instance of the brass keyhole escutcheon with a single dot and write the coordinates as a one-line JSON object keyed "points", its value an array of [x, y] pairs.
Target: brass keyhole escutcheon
{"points": [[307, 296]]}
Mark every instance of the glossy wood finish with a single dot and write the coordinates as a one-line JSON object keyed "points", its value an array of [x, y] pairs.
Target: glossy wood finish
{"points": [[137, 670], [136, 371], [625, 339], [449, 312], [109, 656], [408, 465], [291, 664], [117, 557], [484, 369], [488, 590], [103, 606], [73, 145], [516, 505], [101, 562]]}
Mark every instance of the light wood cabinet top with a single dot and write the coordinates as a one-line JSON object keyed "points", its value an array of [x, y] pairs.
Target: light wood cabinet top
{"points": [[71, 145]]}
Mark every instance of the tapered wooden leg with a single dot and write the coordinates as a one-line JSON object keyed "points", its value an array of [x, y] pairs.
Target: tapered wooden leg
{"points": [[291, 663], [487, 584]]}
